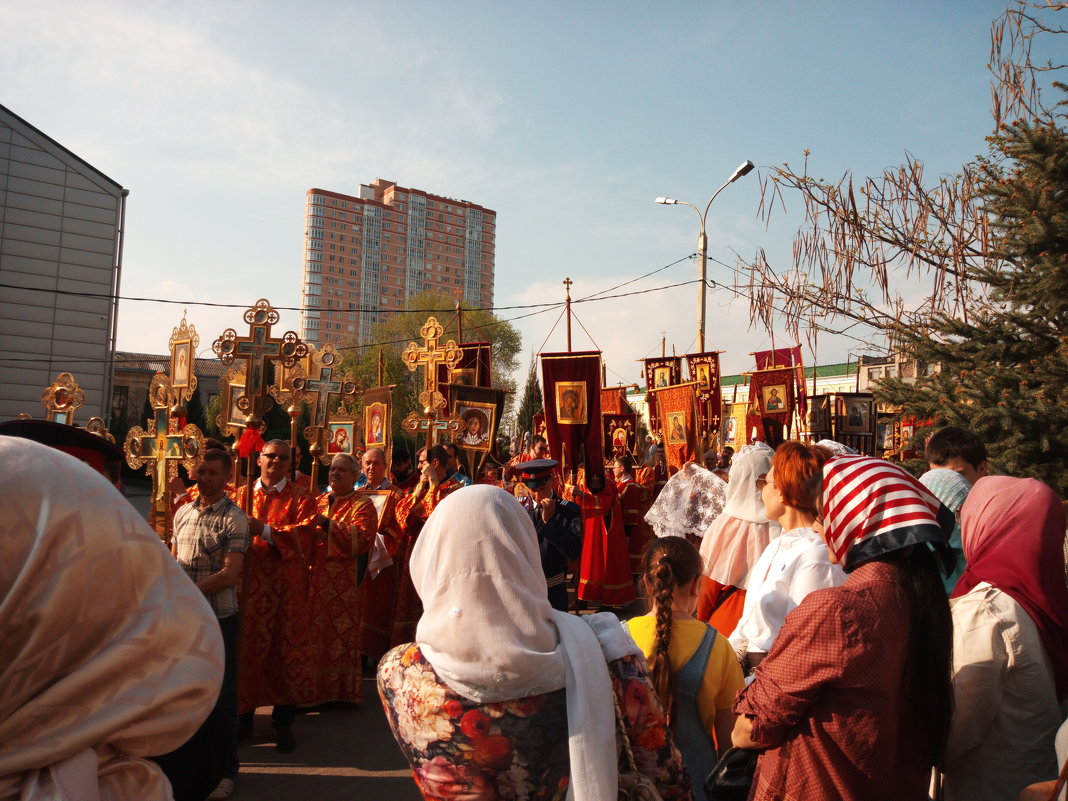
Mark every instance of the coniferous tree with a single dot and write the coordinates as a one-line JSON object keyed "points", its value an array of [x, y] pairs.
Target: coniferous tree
{"points": [[1004, 366], [531, 402]]}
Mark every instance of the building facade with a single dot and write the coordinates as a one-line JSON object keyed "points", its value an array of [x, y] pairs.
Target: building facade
{"points": [[61, 228], [366, 254]]}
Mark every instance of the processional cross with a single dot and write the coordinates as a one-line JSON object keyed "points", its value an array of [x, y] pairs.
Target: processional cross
{"points": [[432, 421], [321, 385]]}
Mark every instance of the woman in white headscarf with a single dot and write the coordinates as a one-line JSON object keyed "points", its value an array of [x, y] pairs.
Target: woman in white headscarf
{"points": [[735, 540], [501, 696], [109, 653]]}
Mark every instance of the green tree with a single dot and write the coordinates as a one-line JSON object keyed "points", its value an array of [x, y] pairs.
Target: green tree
{"points": [[1004, 367], [531, 402], [392, 336]]}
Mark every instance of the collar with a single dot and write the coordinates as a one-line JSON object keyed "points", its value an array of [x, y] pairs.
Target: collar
{"points": [[215, 507], [281, 485]]}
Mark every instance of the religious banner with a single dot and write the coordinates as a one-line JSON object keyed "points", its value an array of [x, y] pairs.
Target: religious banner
{"points": [[479, 410], [614, 401], [704, 372], [377, 420], [771, 402], [472, 370], [818, 417], [734, 434], [620, 434], [779, 357], [678, 421], [539, 426], [571, 383], [855, 423], [663, 371]]}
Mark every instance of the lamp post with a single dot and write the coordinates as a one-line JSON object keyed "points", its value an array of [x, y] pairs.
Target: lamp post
{"points": [[702, 244]]}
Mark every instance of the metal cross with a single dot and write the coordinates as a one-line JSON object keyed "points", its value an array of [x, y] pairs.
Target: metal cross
{"points": [[429, 356]]}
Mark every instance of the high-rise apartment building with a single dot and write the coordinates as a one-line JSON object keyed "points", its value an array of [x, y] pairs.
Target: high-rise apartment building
{"points": [[365, 255]]}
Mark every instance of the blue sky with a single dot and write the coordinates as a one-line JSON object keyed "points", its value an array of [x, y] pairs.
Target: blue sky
{"points": [[568, 119]]}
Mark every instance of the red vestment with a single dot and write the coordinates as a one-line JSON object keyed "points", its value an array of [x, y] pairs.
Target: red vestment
{"points": [[274, 664], [378, 594], [411, 517], [333, 596], [632, 502], [604, 573]]}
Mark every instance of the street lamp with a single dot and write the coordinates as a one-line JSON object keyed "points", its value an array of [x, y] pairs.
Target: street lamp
{"points": [[702, 244]]}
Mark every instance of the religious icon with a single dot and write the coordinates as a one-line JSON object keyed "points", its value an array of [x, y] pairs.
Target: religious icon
{"points": [[180, 365], [340, 438], [703, 372], [732, 429], [175, 448], [236, 416], [571, 402], [375, 426], [61, 417], [676, 429], [477, 421], [858, 416], [619, 439], [465, 376], [817, 414], [885, 434], [661, 377], [774, 398], [378, 498]]}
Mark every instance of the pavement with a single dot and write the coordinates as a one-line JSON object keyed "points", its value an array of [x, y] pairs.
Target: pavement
{"points": [[343, 751]]}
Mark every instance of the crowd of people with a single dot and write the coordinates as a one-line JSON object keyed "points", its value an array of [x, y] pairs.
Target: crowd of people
{"points": [[841, 628]]}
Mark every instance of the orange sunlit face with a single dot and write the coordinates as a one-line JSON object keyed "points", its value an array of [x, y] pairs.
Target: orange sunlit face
{"points": [[342, 477]]}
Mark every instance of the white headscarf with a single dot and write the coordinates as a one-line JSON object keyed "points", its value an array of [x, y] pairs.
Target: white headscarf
{"points": [[110, 653], [736, 539], [490, 634], [743, 497]]}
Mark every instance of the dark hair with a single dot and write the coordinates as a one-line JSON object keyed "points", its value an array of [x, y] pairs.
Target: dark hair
{"points": [[438, 452], [220, 456], [799, 474], [626, 462], [928, 688], [536, 440], [668, 563], [952, 442], [450, 447]]}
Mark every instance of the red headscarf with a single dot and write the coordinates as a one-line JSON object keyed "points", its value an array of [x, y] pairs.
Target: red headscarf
{"points": [[872, 507], [1012, 531]]}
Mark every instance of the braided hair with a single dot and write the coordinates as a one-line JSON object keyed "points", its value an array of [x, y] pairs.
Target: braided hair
{"points": [[669, 563]]}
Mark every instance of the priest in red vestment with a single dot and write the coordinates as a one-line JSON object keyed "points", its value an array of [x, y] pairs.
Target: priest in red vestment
{"points": [[604, 571], [633, 502], [338, 559], [274, 665], [378, 590], [435, 483]]}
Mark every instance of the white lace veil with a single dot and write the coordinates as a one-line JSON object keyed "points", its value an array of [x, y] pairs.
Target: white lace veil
{"points": [[689, 502]]}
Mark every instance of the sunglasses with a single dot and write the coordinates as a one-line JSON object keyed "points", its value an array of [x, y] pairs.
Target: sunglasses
{"points": [[280, 456]]}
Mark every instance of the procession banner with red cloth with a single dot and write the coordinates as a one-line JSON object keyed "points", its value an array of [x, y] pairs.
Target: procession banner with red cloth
{"points": [[704, 371], [678, 420], [619, 434], [473, 369], [571, 384], [663, 371], [539, 425], [855, 421], [614, 401], [779, 357], [771, 403], [480, 410]]}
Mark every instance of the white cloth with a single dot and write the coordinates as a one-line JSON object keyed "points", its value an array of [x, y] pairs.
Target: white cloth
{"points": [[109, 652], [490, 634], [743, 497], [791, 567], [688, 503], [1005, 713]]}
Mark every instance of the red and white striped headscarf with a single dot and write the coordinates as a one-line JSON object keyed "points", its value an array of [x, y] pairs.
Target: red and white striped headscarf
{"points": [[872, 507]]}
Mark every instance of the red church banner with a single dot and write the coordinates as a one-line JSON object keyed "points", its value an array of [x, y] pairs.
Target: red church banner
{"points": [[473, 369], [571, 384], [614, 401], [771, 402], [479, 409], [619, 434], [704, 372], [663, 371], [678, 421]]}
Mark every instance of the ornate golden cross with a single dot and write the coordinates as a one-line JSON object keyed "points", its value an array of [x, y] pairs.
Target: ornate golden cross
{"points": [[429, 356]]}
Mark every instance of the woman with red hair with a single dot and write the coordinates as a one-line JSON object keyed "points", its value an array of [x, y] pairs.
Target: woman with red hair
{"points": [[795, 563]]}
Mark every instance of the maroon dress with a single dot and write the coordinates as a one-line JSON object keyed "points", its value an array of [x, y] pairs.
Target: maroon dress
{"points": [[828, 698]]}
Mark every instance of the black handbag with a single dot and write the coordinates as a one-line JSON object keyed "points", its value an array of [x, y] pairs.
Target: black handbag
{"points": [[732, 778]]}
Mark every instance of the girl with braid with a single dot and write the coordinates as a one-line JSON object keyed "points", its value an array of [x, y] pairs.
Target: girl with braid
{"points": [[692, 667]]}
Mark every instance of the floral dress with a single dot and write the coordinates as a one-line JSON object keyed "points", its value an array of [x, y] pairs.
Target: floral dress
{"points": [[462, 750]]}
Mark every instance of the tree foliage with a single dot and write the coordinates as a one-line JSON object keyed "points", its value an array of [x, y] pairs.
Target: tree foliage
{"points": [[531, 402]]}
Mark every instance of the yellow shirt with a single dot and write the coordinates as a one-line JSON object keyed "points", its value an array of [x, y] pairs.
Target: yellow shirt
{"points": [[723, 676]]}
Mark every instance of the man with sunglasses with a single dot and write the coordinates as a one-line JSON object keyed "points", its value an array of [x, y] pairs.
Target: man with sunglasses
{"points": [[275, 667], [557, 522]]}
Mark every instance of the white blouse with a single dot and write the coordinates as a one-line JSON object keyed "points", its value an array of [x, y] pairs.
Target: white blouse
{"points": [[792, 566]]}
